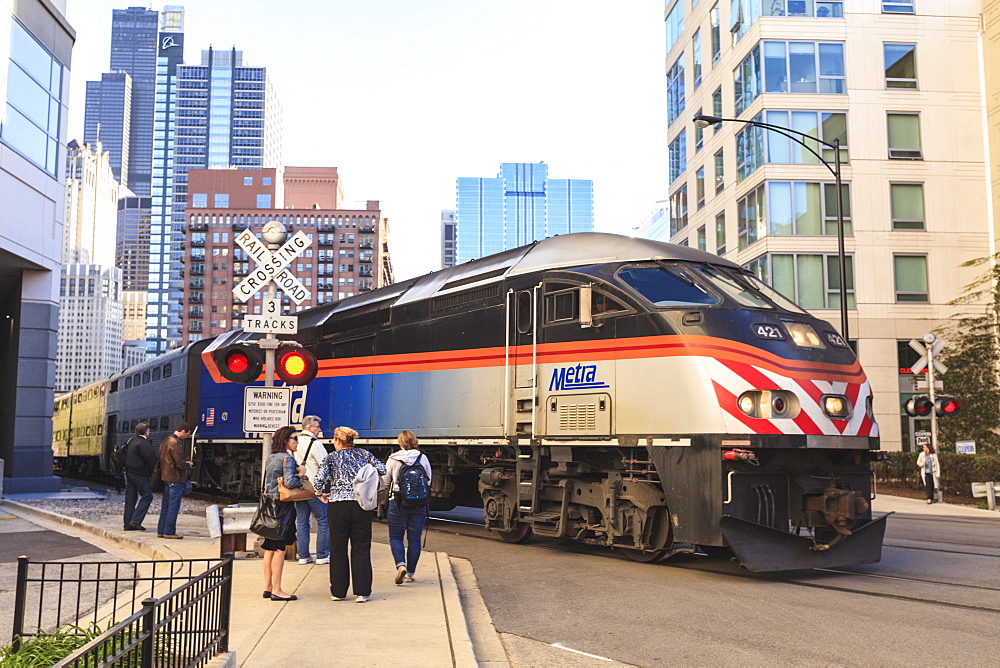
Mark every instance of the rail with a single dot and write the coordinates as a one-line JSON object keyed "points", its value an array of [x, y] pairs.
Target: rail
{"points": [[177, 611]]}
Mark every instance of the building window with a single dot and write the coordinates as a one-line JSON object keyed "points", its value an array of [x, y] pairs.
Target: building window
{"points": [[199, 200], [746, 81], [900, 65], [675, 90], [675, 23], [896, 7], [678, 210], [806, 208], [829, 126], [248, 180], [716, 34], [804, 67], [677, 154], [221, 200], [904, 136], [811, 281], [702, 239], [720, 171], [911, 278], [832, 9], [34, 101], [263, 201], [749, 151], [699, 135], [699, 190], [907, 201], [750, 217], [720, 233], [696, 58], [265, 180]]}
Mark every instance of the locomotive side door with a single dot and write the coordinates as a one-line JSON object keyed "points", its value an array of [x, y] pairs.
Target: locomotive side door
{"points": [[521, 358]]}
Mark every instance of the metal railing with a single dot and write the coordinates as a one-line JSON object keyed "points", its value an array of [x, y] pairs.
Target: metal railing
{"points": [[177, 611]]}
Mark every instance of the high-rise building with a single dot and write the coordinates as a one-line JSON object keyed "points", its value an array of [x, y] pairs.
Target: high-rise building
{"points": [[91, 202], [871, 76], [132, 257], [447, 238], [36, 44], [225, 115], [107, 119], [344, 259], [522, 204]]}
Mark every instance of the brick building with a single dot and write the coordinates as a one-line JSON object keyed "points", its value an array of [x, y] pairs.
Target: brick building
{"points": [[348, 254]]}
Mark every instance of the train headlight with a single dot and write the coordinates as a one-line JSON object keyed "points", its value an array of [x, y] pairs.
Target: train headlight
{"points": [[748, 404], [803, 335], [836, 406], [768, 404]]}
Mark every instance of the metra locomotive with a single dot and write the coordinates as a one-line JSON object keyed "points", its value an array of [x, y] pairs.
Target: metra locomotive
{"points": [[612, 390]]}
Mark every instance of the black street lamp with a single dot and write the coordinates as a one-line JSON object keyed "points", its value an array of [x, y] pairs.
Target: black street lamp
{"points": [[704, 121]]}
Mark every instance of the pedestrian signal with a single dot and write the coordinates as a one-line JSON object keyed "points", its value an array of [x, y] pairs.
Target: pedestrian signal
{"points": [[919, 406], [295, 365], [240, 363], [944, 405]]}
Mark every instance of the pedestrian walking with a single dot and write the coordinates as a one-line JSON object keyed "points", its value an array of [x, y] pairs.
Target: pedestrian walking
{"points": [[175, 469], [929, 470], [140, 460], [280, 464], [309, 452], [349, 522], [409, 479]]}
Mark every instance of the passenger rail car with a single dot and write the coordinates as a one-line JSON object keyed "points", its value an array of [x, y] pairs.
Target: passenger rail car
{"points": [[612, 390]]}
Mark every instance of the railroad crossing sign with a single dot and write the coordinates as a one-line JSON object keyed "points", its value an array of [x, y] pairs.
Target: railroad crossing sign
{"points": [[928, 352], [272, 267], [271, 321], [265, 409]]}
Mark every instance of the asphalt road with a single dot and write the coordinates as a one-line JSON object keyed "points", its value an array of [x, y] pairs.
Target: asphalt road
{"points": [[934, 598]]}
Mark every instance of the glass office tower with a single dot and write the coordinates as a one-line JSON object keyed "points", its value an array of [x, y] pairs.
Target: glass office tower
{"points": [[522, 204]]}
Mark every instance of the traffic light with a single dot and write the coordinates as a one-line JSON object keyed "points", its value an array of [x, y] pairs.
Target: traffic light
{"points": [[295, 365], [919, 406], [945, 405], [240, 363]]}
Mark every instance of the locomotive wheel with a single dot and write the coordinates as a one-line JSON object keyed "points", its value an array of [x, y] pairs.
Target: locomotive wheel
{"points": [[521, 534], [660, 538]]}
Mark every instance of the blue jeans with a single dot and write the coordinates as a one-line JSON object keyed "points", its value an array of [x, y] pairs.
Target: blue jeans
{"points": [[411, 521], [303, 509], [170, 507], [136, 488]]}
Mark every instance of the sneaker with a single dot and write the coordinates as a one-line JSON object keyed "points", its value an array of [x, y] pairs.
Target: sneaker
{"points": [[305, 560], [408, 579], [337, 598], [322, 561], [929, 501], [400, 574], [362, 599]]}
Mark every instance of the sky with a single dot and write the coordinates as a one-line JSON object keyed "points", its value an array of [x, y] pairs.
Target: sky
{"points": [[404, 96]]}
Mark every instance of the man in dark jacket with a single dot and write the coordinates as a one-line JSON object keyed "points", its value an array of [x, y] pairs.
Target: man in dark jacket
{"points": [[140, 458], [175, 468]]}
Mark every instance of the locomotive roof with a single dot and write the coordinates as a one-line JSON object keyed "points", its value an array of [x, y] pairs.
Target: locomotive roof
{"points": [[560, 252]]}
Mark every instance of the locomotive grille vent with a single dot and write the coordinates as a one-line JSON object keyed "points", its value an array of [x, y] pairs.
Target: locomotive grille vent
{"points": [[442, 303], [578, 417], [362, 320]]}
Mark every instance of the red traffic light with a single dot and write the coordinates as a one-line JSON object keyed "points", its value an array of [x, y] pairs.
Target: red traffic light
{"points": [[240, 363], [295, 365], [919, 406], [946, 405]]}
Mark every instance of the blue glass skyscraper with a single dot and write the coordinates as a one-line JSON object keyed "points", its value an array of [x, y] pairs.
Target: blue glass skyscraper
{"points": [[522, 204]]}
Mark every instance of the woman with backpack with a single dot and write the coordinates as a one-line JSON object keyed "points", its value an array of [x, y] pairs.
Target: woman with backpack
{"points": [[409, 475]]}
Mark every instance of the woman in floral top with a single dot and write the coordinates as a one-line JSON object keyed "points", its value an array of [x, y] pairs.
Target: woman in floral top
{"points": [[347, 519]]}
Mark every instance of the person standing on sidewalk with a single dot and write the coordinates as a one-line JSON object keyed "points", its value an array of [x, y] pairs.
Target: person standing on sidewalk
{"points": [[174, 469], [140, 459], [348, 520], [310, 453], [280, 464], [404, 517], [930, 471]]}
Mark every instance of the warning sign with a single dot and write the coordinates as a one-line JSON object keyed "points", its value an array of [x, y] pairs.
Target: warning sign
{"points": [[265, 409]]}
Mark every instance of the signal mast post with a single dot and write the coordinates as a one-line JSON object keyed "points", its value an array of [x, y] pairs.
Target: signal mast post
{"points": [[274, 235]]}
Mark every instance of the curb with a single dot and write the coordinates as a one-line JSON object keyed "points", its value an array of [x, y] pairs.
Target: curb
{"points": [[458, 628]]}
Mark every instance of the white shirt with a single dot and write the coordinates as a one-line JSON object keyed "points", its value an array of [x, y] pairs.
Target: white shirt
{"points": [[316, 454]]}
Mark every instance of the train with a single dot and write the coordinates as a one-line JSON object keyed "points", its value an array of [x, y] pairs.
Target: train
{"points": [[612, 390]]}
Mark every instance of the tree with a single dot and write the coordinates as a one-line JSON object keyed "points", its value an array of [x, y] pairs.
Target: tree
{"points": [[973, 360]]}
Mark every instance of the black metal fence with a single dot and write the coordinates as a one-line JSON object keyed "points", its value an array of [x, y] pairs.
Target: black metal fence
{"points": [[176, 612]]}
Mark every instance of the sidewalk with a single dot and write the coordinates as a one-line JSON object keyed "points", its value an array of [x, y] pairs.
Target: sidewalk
{"points": [[316, 630], [884, 503]]}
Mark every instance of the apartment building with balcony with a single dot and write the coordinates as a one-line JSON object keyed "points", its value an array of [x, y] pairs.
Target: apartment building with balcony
{"points": [[899, 84], [347, 254]]}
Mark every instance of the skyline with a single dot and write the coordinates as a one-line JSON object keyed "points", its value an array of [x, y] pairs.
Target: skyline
{"points": [[417, 102]]}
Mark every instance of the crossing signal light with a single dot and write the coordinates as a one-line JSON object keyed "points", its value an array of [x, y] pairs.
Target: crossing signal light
{"points": [[295, 365], [240, 363], [919, 406], [944, 405]]}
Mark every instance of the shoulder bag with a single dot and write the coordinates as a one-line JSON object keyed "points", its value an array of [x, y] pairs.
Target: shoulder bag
{"points": [[271, 520], [303, 493]]}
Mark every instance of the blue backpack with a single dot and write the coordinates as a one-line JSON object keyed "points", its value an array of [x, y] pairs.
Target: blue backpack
{"points": [[414, 491]]}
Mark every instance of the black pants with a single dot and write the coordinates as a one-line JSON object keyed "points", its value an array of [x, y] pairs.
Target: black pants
{"points": [[136, 489], [929, 484], [349, 522]]}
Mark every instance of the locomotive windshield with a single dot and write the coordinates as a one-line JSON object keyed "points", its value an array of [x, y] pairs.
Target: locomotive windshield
{"points": [[668, 286]]}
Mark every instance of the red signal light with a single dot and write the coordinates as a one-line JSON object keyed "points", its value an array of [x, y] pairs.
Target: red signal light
{"points": [[946, 405], [919, 406], [296, 365], [237, 362], [240, 363]]}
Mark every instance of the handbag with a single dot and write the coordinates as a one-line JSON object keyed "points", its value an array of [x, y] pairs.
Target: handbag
{"points": [[271, 520], [303, 493]]}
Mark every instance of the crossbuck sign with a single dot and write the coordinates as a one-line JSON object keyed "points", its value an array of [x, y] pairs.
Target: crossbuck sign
{"points": [[272, 266]]}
